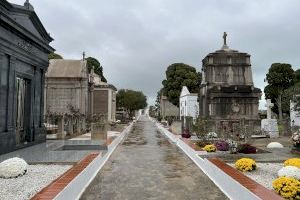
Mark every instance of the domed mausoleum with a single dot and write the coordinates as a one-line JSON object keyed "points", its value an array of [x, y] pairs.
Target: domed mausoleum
{"points": [[227, 95]]}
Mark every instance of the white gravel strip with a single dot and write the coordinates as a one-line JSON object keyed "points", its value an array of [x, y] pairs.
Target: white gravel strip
{"points": [[36, 178], [264, 174]]}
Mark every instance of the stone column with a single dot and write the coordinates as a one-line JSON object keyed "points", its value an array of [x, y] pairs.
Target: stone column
{"points": [[43, 110], [11, 95], [70, 125]]}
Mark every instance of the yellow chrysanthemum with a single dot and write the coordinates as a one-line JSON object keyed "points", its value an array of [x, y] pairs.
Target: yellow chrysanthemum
{"points": [[245, 164], [288, 188], [210, 148], [292, 162]]}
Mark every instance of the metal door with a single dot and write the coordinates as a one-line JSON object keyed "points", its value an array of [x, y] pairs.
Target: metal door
{"points": [[21, 86]]}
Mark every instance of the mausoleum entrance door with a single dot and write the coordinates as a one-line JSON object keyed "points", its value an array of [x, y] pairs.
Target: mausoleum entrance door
{"points": [[22, 109]]}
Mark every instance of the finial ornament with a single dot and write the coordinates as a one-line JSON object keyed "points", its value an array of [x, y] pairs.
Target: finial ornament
{"points": [[225, 38], [28, 5], [83, 56]]}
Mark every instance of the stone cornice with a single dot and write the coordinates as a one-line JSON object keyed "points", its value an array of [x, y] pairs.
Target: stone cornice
{"points": [[7, 19]]}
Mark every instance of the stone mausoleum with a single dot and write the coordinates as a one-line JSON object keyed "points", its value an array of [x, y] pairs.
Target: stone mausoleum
{"points": [[24, 49], [66, 94], [227, 95]]}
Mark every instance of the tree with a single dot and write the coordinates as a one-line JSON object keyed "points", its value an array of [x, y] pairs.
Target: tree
{"points": [[157, 101], [98, 69], [297, 77], [177, 76], [297, 90], [131, 100], [280, 77], [54, 56]]}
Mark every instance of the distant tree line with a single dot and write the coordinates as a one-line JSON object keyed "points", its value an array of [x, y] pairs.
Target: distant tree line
{"points": [[283, 86], [177, 76], [131, 100]]}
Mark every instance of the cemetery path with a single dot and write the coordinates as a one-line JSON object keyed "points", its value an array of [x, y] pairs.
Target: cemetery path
{"points": [[147, 166]]}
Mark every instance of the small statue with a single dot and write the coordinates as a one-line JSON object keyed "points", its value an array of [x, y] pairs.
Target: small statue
{"points": [[225, 37]]}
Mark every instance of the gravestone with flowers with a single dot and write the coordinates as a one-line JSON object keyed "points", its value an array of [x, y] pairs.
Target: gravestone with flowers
{"points": [[269, 125]]}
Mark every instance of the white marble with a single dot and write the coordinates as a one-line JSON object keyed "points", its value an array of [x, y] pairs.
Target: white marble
{"points": [[273, 145], [189, 106], [269, 125], [294, 115], [290, 171]]}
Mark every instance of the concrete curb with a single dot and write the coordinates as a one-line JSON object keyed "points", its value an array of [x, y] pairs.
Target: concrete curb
{"points": [[77, 186], [226, 184]]}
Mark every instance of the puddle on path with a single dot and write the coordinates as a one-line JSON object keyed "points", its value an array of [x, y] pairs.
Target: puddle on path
{"points": [[147, 166]]}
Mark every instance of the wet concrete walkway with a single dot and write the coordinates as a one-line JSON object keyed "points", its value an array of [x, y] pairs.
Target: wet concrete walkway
{"points": [[147, 166]]}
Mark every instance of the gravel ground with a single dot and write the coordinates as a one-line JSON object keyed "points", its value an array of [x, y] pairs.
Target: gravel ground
{"points": [[264, 174], [36, 178]]}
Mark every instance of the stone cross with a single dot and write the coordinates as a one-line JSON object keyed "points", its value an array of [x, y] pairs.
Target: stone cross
{"points": [[83, 55], [225, 37], [269, 105], [26, 4]]}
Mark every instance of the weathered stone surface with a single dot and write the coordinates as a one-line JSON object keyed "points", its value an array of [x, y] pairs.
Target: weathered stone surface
{"points": [[167, 109], [227, 94], [99, 131], [270, 127]]}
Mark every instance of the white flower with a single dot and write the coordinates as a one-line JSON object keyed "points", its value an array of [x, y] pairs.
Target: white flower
{"points": [[290, 171], [212, 135], [13, 168], [274, 145]]}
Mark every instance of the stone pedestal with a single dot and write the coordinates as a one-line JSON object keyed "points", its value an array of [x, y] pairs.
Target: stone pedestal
{"points": [[61, 134], [270, 127], [99, 131]]}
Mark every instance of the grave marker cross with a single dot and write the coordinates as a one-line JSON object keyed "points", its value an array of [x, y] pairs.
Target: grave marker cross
{"points": [[269, 105]]}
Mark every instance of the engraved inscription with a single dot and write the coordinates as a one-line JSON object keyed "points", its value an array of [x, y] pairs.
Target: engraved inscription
{"points": [[26, 46]]}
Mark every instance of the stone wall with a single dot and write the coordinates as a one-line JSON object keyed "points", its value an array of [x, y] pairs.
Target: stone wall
{"points": [[63, 93], [168, 109]]}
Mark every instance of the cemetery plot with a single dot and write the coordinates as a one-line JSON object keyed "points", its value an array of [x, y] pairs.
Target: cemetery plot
{"points": [[36, 178]]}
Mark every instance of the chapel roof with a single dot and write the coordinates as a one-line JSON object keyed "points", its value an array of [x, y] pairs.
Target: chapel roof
{"points": [[61, 68], [184, 91], [25, 19]]}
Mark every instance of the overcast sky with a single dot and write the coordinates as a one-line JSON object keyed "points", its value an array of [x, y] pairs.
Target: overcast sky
{"points": [[136, 40]]}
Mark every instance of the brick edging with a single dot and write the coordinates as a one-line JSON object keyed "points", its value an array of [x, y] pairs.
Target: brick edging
{"points": [[191, 144], [245, 181], [56, 186]]}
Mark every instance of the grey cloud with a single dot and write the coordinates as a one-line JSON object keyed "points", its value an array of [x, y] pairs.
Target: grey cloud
{"points": [[136, 40]]}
